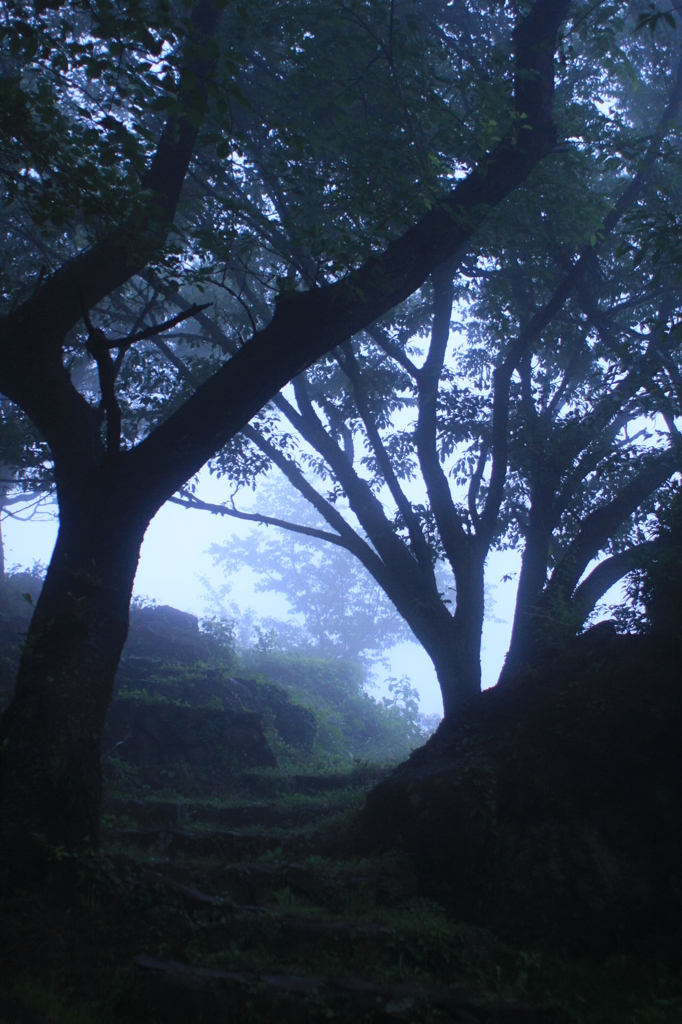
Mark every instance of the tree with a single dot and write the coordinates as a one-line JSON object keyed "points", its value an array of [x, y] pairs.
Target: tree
{"points": [[592, 465], [105, 189], [530, 416], [336, 609]]}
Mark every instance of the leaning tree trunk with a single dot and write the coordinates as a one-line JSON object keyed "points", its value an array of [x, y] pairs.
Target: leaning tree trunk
{"points": [[50, 781], [530, 626]]}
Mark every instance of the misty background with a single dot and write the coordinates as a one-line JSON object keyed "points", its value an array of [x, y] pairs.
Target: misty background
{"points": [[177, 568]]}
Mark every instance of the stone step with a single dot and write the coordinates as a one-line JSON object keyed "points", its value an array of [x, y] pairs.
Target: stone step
{"points": [[324, 884], [257, 814], [298, 929], [249, 884], [221, 845], [176, 993], [160, 813], [270, 786], [145, 813], [312, 784]]}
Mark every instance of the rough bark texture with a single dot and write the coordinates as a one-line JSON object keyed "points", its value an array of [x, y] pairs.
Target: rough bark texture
{"points": [[51, 781]]}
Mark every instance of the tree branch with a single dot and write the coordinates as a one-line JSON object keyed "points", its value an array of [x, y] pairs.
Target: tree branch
{"points": [[31, 335], [190, 501], [606, 574], [306, 325], [448, 520], [364, 503], [349, 365], [351, 541], [475, 485], [154, 329], [598, 527], [542, 317], [380, 338], [98, 347], [95, 273]]}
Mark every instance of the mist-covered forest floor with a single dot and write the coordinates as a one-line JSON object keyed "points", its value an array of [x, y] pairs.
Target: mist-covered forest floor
{"points": [[246, 890]]}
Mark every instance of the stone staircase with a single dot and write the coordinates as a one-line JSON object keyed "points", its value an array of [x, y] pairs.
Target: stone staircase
{"points": [[288, 926]]}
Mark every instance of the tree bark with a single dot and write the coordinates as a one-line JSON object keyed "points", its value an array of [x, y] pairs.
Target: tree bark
{"points": [[453, 642], [460, 676], [50, 781], [528, 623]]}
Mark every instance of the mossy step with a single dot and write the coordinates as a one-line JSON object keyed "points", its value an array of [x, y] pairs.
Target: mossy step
{"points": [[271, 786], [146, 813], [222, 845], [307, 936], [174, 992], [259, 814], [324, 883], [160, 813]]}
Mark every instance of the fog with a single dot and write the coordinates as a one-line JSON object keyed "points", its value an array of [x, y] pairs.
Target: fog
{"points": [[175, 563]]}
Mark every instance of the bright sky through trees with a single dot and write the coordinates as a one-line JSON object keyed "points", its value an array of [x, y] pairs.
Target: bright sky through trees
{"points": [[174, 557]]}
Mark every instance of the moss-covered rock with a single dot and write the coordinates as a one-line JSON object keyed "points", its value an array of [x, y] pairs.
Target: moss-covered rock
{"points": [[165, 634], [155, 732], [175, 702]]}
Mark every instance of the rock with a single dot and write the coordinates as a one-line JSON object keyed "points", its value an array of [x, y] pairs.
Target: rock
{"points": [[157, 732], [167, 634], [551, 809], [160, 719], [175, 703], [295, 724]]}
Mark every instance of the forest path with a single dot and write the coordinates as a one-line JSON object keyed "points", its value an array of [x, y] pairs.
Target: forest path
{"points": [[288, 925], [258, 904]]}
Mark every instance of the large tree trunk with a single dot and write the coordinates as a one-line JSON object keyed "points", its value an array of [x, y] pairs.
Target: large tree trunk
{"points": [[453, 642], [457, 660], [50, 786]]}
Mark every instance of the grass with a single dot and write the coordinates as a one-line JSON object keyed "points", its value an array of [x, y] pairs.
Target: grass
{"points": [[67, 955]]}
